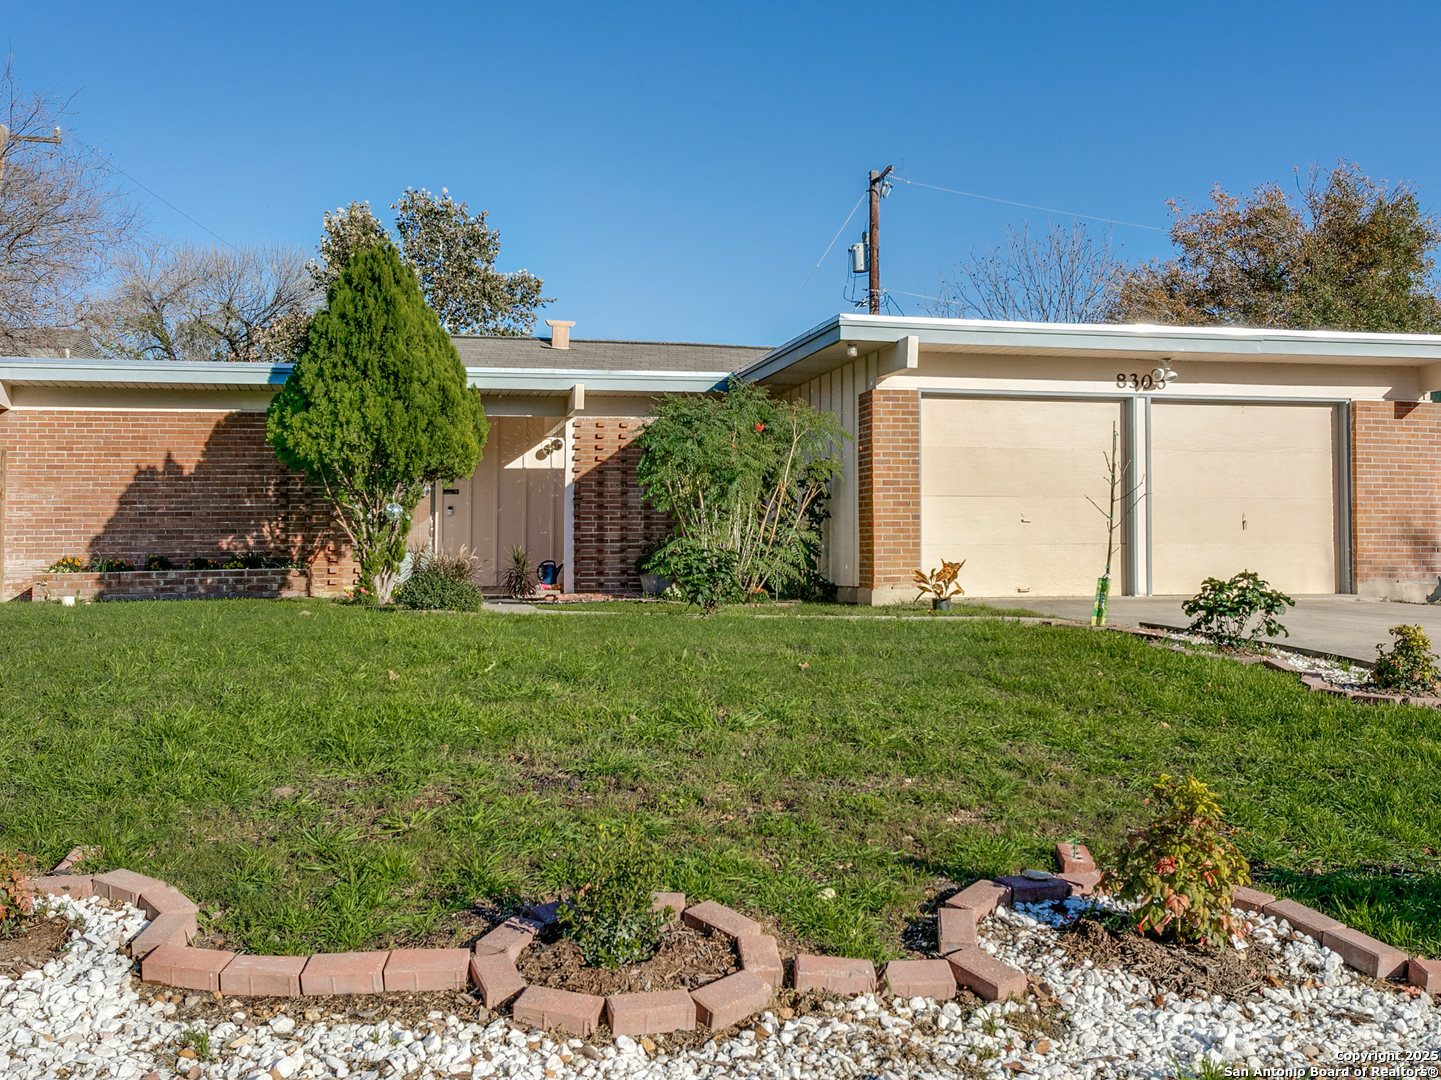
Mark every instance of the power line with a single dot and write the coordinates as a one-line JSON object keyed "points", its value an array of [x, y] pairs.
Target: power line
{"points": [[111, 164], [817, 266], [1030, 206]]}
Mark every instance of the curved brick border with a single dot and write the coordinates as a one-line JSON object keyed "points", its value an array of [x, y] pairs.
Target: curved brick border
{"points": [[166, 956]]}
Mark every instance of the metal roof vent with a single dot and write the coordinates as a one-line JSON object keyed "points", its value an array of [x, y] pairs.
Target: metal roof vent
{"points": [[559, 333]]}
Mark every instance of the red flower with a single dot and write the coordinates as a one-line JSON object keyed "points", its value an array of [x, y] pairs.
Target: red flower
{"points": [[760, 426]]}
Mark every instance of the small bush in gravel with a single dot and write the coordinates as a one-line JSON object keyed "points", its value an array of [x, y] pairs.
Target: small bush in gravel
{"points": [[1180, 870], [1224, 610], [1409, 666], [16, 872], [431, 590], [610, 916]]}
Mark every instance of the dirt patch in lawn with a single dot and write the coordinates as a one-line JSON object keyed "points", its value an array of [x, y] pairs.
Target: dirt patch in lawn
{"points": [[687, 959], [1185, 970], [36, 942]]}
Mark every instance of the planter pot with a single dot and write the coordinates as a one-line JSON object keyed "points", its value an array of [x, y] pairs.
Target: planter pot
{"points": [[940, 605], [654, 584]]}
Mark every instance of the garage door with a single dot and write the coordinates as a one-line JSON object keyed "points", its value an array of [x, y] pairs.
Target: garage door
{"points": [[1004, 485], [1243, 487]]}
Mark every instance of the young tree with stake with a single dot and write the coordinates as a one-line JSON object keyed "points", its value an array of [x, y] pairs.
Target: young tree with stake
{"points": [[376, 409]]}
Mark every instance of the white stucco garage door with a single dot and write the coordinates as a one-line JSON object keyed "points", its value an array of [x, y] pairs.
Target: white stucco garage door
{"points": [[1004, 484], [1243, 487]]}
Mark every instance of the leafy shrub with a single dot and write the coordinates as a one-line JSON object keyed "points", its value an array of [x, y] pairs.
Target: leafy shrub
{"points": [[706, 576], [610, 916], [1409, 666], [68, 565], [157, 562], [518, 579], [102, 565], [17, 870], [940, 584], [1223, 610], [431, 590], [1180, 870]]}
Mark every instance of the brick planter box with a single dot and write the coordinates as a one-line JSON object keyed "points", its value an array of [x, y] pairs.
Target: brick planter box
{"points": [[174, 585]]}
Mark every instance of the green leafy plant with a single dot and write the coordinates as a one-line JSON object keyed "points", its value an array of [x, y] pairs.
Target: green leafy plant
{"points": [[518, 578], [1410, 665], [203, 564], [197, 1040], [17, 871], [432, 590], [67, 565], [157, 562], [704, 575], [1180, 870], [1238, 612], [745, 474], [610, 916], [376, 408], [940, 584], [100, 564]]}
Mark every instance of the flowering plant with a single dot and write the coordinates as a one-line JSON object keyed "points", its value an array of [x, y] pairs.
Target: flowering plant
{"points": [[67, 565], [1180, 870]]}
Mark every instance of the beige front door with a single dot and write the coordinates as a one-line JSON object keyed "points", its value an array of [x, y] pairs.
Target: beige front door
{"points": [[516, 497], [1004, 485], [1243, 487]]}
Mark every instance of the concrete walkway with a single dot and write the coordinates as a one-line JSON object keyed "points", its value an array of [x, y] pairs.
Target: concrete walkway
{"points": [[1335, 625]]}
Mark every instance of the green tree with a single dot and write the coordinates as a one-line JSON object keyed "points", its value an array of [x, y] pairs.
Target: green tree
{"points": [[377, 408], [1355, 254], [452, 255], [744, 477]]}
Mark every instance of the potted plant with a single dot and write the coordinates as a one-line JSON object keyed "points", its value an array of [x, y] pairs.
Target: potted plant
{"points": [[940, 585], [651, 584]]}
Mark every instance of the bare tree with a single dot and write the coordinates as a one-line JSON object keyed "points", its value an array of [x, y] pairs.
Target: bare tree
{"points": [[61, 215], [1068, 275], [186, 302]]}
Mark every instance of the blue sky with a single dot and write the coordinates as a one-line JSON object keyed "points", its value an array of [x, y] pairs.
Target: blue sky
{"points": [[674, 171]]}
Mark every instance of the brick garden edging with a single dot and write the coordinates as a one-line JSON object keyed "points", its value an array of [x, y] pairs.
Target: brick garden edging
{"points": [[265, 584], [167, 957]]}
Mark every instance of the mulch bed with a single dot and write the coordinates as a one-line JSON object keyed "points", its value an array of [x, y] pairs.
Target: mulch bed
{"points": [[687, 959], [36, 942], [411, 1010], [1186, 970]]}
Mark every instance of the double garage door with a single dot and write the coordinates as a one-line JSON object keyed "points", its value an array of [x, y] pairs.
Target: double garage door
{"points": [[1012, 486]]}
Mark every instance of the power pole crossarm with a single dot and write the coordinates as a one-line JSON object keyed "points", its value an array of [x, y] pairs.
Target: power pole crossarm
{"points": [[877, 184], [6, 139]]}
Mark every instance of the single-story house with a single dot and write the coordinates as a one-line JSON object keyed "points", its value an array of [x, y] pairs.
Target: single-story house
{"points": [[1311, 457]]}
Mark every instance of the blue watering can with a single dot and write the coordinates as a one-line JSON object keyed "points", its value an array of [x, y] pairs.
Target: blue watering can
{"points": [[548, 573]]}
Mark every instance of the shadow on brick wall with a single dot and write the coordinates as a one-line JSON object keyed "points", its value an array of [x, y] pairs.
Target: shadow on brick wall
{"points": [[237, 500]]}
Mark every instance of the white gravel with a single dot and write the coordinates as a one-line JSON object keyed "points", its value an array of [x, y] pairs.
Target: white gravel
{"points": [[82, 1016]]}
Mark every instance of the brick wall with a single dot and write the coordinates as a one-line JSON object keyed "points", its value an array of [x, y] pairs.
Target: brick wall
{"points": [[128, 484], [888, 480], [612, 519], [1396, 498]]}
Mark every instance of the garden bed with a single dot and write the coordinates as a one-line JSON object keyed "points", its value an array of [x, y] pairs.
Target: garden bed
{"points": [[37, 941], [686, 960]]}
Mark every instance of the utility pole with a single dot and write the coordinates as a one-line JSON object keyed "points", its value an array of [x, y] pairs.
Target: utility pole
{"points": [[6, 139], [877, 192]]}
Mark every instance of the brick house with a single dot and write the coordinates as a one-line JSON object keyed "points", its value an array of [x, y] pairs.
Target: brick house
{"points": [[1310, 457]]}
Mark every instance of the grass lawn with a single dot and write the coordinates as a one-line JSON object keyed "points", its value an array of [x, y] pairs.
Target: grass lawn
{"points": [[440, 760]]}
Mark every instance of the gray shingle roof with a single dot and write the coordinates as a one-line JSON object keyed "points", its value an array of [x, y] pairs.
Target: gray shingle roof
{"points": [[585, 355]]}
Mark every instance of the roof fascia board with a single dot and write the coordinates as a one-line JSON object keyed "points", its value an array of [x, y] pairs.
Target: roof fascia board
{"points": [[32, 371], [1240, 343], [562, 381]]}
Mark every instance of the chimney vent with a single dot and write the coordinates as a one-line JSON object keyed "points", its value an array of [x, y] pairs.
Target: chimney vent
{"points": [[559, 333]]}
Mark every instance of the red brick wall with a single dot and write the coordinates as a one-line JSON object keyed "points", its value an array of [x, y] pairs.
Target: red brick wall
{"points": [[174, 585], [1395, 497], [612, 519], [128, 484], [888, 476]]}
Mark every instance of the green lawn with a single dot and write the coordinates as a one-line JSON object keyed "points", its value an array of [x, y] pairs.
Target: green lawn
{"points": [[771, 757]]}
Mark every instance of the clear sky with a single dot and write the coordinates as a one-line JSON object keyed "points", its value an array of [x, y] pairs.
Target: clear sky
{"points": [[674, 170]]}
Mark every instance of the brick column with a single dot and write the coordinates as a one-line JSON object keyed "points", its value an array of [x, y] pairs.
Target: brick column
{"points": [[888, 480], [612, 519], [1396, 498]]}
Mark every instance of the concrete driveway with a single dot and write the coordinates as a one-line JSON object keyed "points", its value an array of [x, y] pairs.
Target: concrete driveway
{"points": [[1334, 625]]}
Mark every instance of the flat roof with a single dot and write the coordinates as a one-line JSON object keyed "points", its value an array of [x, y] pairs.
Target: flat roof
{"points": [[826, 345]]}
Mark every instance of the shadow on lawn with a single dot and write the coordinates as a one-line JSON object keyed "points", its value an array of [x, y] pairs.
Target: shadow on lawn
{"points": [[1401, 907]]}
